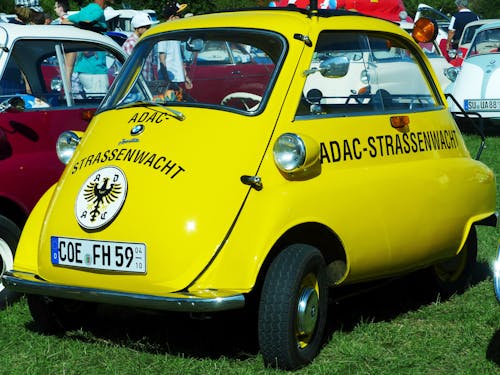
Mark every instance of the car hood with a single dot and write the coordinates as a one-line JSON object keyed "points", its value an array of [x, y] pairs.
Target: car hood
{"points": [[180, 192]]}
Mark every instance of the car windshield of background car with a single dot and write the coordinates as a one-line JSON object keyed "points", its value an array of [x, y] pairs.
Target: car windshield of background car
{"points": [[486, 41]]}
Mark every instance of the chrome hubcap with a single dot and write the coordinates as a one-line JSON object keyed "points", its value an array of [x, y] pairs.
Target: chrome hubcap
{"points": [[6, 259], [307, 311]]}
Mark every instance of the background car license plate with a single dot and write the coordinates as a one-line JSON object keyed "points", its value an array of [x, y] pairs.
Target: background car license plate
{"points": [[101, 255], [482, 104]]}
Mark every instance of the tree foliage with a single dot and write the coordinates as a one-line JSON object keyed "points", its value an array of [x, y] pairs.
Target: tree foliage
{"points": [[484, 8]]}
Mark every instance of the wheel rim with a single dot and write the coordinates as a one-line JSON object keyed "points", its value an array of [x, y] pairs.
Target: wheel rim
{"points": [[6, 259], [451, 270], [307, 310]]}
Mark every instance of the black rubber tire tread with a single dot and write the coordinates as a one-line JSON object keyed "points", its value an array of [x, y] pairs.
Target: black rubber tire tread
{"points": [[278, 307], [10, 233]]}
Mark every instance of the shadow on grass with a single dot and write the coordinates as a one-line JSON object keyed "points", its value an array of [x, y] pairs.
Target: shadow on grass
{"points": [[233, 334], [386, 302], [493, 351]]}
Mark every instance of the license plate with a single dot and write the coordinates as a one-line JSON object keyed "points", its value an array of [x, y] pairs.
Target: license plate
{"points": [[482, 104], [99, 255]]}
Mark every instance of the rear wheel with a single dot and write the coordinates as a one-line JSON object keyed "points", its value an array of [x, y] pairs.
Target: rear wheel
{"points": [[9, 237], [293, 308], [454, 275], [56, 315]]}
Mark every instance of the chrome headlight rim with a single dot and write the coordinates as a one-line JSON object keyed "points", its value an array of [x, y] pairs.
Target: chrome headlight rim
{"points": [[66, 145], [452, 73], [289, 152]]}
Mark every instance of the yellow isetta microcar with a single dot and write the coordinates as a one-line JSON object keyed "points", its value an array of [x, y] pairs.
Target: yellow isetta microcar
{"points": [[224, 177]]}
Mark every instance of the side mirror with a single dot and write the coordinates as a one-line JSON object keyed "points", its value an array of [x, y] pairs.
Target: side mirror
{"points": [[195, 45], [334, 67]]}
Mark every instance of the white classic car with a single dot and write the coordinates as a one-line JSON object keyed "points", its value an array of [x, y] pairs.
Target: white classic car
{"points": [[377, 67], [457, 56], [475, 91]]}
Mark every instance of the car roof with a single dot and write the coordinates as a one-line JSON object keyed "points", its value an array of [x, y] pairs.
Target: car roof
{"points": [[285, 21], [490, 25], [9, 32]]}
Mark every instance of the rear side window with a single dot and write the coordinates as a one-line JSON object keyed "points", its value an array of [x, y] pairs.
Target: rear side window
{"points": [[56, 74], [356, 73]]}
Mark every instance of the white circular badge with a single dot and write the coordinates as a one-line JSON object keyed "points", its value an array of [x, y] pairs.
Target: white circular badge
{"points": [[101, 198]]}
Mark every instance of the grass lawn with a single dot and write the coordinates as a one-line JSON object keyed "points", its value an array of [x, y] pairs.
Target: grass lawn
{"points": [[397, 329]]}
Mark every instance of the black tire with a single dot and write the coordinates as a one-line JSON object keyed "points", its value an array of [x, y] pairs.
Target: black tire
{"points": [[9, 238], [291, 333], [455, 275], [56, 315]]}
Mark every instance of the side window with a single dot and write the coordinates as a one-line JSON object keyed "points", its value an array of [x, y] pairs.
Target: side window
{"points": [[356, 74], [51, 74]]}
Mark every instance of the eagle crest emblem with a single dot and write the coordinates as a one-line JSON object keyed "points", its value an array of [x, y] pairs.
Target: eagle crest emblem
{"points": [[101, 198]]}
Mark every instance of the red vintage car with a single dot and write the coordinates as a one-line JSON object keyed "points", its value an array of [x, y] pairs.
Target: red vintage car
{"points": [[38, 101], [222, 68]]}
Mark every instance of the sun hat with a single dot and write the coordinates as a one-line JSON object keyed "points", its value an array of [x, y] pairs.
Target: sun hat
{"points": [[172, 8], [32, 4], [142, 19], [110, 13]]}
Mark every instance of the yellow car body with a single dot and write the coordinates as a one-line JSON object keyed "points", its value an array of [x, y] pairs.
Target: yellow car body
{"points": [[194, 190]]}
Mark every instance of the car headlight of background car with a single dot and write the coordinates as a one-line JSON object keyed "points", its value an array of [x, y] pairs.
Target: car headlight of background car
{"points": [[66, 145], [451, 73]]}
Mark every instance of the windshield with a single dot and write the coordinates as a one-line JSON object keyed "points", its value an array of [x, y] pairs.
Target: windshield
{"points": [[227, 68], [486, 41]]}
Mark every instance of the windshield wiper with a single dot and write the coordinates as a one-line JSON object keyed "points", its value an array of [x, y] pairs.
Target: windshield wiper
{"points": [[143, 103]]}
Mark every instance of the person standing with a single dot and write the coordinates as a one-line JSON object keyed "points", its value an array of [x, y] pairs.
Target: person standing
{"points": [[24, 10], [61, 8], [171, 64], [141, 22], [89, 17], [458, 22]]}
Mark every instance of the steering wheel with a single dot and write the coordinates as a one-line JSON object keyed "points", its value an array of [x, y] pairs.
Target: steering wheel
{"points": [[248, 100]]}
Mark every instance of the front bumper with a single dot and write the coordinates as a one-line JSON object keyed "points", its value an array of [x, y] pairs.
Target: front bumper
{"points": [[29, 283]]}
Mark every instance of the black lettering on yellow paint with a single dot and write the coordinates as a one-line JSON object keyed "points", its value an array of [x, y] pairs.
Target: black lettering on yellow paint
{"points": [[125, 155], [152, 117], [388, 145], [133, 118], [323, 153]]}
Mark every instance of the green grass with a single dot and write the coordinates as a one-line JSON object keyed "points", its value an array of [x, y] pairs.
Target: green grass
{"points": [[397, 329]]}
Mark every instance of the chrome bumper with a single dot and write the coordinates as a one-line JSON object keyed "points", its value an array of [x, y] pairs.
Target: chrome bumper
{"points": [[29, 283]]}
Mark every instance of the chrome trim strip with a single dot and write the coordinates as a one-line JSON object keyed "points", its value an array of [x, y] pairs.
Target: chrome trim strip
{"points": [[29, 283]]}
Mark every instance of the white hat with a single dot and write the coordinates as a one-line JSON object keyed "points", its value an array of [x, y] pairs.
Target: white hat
{"points": [[142, 19], [110, 13]]}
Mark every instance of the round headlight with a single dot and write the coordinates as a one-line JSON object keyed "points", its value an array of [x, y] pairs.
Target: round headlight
{"points": [[289, 152], [451, 73], [66, 145]]}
